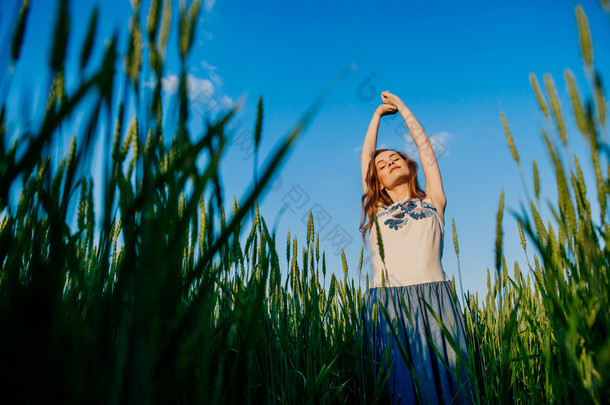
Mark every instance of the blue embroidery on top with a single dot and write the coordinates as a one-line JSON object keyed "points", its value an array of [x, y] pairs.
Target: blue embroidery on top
{"points": [[401, 212]]}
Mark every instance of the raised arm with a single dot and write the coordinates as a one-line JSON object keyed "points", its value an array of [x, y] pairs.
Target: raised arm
{"points": [[433, 183], [370, 140]]}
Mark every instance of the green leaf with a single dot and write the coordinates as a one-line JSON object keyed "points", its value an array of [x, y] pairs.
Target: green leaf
{"points": [[499, 232], [17, 39], [85, 52], [60, 37]]}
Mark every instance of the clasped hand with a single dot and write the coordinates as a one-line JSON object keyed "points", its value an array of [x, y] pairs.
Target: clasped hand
{"points": [[391, 104], [391, 99]]}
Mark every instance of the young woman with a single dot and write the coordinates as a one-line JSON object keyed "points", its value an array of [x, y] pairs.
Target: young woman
{"points": [[405, 224]]}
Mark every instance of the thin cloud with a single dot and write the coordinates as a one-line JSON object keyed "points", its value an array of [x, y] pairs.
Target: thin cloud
{"points": [[440, 141], [227, 101], [170, 83], [212, 73], [194, 84], [209, 5], [443, 136], [198, 85]]}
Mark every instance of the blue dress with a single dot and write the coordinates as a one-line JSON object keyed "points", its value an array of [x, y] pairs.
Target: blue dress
{"points": [[425, 364]]}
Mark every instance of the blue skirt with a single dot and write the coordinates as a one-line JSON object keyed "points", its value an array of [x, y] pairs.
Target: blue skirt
{"points": [[424, 366]]}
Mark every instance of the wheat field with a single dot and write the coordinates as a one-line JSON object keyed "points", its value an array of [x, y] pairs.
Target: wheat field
{"points": [[153, 295]]}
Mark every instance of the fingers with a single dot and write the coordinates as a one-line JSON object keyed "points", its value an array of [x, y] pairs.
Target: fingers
{"points": [[387, 109], [390, 99], [386, 96]]}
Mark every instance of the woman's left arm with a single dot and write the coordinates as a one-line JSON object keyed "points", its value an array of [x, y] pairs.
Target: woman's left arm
{"points": [[434, 184]]}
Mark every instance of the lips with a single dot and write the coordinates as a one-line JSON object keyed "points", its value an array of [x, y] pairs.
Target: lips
{"points": [[392, 169]]}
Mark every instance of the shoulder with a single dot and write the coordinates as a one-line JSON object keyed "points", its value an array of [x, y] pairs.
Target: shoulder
{"points": [[439, 207], [438, 200]]}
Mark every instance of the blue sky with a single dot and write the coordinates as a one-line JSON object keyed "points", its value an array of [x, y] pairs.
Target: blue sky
{"points": [[456, 65]]}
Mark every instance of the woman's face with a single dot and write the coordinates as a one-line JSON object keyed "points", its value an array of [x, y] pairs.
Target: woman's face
{"points": [[391, 169]]}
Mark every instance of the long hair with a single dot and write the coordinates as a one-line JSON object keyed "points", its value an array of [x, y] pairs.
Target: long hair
{"points": [[375, 195]]}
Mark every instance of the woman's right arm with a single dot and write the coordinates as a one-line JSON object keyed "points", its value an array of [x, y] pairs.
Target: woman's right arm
{"points": [[370, 140]]}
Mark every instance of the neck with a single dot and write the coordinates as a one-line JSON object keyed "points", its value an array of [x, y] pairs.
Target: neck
{"points": [[399, 193]]}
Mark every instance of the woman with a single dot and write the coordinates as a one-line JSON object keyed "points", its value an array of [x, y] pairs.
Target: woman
{"points": [[406, 227]]}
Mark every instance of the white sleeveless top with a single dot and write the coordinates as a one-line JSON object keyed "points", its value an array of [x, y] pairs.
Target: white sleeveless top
{"points": [[412, 238]]}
